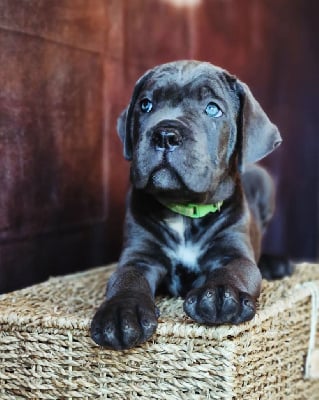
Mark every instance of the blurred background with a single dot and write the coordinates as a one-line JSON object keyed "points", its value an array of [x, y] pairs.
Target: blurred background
{"points": [[67, 70]]}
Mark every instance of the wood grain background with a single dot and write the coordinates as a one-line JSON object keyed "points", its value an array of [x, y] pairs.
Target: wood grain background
{"points": [[67, 70]]}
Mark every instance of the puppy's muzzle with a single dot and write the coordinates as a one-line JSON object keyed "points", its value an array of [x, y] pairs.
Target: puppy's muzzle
{"points": [[166, 138]]}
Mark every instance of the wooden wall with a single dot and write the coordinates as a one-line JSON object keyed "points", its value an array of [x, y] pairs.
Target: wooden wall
{"points": [[67, 70]]}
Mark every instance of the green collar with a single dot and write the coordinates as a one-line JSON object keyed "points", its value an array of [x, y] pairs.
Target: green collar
{"points": [[194, 210]]}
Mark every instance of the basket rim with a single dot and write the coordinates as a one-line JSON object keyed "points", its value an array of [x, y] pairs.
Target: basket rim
{"points": [[166, 326]]}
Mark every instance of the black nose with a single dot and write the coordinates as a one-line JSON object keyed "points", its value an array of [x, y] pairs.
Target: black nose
{"points": [[166, 139]]}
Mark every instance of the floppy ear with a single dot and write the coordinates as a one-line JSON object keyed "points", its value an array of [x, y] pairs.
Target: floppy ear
{"points": [[257, 135], [124, 122], [126, 140]]}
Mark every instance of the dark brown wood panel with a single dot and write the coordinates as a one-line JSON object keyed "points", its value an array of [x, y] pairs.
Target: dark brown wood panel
{"points": [[51, 136], [77, 23], [52, 198]]}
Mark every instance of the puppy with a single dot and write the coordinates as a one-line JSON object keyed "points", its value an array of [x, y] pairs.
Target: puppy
{"points": [[197, 208]]}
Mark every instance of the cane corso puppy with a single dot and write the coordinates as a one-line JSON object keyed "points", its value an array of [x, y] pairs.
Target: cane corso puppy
{"points": [[197, 208]]}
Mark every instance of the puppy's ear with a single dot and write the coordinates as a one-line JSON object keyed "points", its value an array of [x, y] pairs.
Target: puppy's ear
{"points": [[257, 135], [125, 123], [126, 139]]}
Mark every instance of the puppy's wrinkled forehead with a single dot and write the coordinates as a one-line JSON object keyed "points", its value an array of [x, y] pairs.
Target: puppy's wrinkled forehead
{"points": [[191, 79]]}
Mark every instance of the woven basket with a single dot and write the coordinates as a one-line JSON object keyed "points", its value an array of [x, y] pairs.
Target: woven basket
{"points": [[46, 351]]}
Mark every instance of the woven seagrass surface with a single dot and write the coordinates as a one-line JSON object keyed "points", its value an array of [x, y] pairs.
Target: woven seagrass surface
{"points": [[46, 351]]}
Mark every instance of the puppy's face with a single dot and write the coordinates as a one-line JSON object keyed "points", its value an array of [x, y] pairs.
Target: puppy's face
{"points": [[181, 131]]}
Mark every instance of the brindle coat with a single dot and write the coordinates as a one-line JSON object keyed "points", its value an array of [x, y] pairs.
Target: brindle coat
{"points": [[191, 132]]}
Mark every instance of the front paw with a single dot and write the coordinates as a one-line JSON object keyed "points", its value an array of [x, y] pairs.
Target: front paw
{"points": [[212, 304], [123, 322]]}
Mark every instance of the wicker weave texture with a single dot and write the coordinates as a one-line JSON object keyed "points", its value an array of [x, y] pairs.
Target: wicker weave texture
{"points": [[46, 351]]}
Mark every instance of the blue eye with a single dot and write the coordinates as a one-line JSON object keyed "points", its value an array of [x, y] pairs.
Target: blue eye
{"points": [[212, 110], [146, 105]]}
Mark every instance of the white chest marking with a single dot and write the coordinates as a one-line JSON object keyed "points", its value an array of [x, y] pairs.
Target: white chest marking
{"points": [[177, 225], [186, 252]]}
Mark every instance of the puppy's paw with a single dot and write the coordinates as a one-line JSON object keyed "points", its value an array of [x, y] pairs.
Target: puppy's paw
{"points": [[275, 267], [214, 305], [124, 322]]}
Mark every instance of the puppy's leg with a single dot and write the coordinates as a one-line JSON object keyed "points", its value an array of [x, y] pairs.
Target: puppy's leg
{"points": [[260, 193], [128, 316], [228, 296]]}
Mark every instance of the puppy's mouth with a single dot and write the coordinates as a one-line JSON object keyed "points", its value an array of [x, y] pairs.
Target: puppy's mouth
{"points": [[166, 184], [164, 179]]}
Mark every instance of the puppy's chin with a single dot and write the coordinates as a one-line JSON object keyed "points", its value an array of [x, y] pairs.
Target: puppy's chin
{"points": [[167, 186], [164, 179], [159, 179]]}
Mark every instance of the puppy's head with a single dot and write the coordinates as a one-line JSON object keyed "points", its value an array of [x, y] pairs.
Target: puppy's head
{"points": [[188, 126]]}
